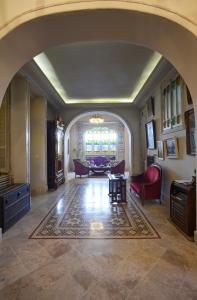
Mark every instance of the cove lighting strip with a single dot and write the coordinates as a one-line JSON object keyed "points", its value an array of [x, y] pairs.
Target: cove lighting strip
{"points": [[46, 67]]}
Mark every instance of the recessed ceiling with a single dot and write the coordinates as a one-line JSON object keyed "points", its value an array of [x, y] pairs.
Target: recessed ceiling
{"points": [[98, 72]]}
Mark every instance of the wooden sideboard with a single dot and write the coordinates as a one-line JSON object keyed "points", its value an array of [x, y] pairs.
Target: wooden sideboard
{"points": [[183, 206]]}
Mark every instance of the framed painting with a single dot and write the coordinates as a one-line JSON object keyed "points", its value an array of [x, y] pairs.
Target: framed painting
{"points": [[190, 132], [150, 135], [172, 148], [160, 149]]}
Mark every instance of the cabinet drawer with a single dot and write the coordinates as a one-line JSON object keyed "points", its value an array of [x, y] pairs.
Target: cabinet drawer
{"points": [[15, 195]]}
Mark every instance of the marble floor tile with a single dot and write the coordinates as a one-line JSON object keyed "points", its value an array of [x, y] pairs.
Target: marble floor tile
{"points": [[104, 269]]}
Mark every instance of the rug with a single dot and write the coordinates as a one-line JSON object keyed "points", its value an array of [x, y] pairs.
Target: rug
{"points": [[85, 212]]}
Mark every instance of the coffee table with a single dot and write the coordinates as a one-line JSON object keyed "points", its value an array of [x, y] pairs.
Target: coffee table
{"points": [[99, 170]]}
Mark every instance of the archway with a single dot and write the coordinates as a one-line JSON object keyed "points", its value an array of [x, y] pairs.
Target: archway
{"points": [[152, 26], [110, 24], [90, 113]]}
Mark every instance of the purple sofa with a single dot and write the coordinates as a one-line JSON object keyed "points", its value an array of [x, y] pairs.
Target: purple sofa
{"points": [[99, 160]]}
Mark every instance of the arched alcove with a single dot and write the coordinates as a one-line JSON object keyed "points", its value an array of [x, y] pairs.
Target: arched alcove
{"points": [[90, 113], [124, 24]]}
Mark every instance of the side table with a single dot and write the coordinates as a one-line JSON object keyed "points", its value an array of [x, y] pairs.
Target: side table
{"points": [[117, 188]]}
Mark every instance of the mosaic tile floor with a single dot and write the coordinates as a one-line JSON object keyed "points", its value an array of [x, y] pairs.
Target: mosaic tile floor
{"points": [[85, 211]]}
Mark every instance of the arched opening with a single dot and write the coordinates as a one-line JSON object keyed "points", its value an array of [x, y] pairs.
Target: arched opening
{"points": [[127, 132], [72, 217]]}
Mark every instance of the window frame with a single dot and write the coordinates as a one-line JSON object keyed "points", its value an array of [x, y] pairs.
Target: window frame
{"points": [[100, 151], [172, 94]]}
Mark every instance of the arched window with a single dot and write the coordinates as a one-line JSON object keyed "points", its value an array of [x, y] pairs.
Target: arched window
{"points": [[101, 140]]}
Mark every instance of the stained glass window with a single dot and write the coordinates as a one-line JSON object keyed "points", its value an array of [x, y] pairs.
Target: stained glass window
{"points": [[100, 139]]}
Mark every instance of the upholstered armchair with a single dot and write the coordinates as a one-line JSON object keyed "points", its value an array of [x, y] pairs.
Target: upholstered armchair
{"points": [[119, 168], [80, 169], [148, 184]]}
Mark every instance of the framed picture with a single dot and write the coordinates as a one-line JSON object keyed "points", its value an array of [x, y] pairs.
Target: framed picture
{"points": [[150, 105], [172, 148], [190, 132], [150, 135], [160, 149]]}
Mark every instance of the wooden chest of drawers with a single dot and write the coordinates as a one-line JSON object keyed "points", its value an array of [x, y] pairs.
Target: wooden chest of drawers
{"points": [[183, 207], [14, 204]]}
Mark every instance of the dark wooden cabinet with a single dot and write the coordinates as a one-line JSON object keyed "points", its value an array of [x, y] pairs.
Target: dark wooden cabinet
{"points": [[55, 153], [183, 206], [14, 204]]}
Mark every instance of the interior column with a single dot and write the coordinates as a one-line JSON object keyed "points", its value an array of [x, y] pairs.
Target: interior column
{"points": [[38, 145], [20, 130]]}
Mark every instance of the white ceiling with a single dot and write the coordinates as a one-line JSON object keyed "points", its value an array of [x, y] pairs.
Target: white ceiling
{"points": [[98, 72]]}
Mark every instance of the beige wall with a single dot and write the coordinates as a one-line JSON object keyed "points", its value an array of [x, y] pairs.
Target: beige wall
{"points": [[20, 130], [181, 168], [38, 145]]}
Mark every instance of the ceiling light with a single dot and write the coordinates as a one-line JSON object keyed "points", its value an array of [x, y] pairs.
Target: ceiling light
{"points": [[96, 119]]}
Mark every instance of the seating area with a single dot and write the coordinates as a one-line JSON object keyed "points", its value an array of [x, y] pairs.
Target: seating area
{"points": [[98, 160], [148, 184], [98, 166]]}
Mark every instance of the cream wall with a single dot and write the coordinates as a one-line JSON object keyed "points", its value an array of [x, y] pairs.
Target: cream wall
{"points": [[38, 145], [181, 168]]}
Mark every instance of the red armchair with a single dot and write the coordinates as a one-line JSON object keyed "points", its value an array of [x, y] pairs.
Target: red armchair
{"points": [[80, 169], [148, 185], [119, 168]]}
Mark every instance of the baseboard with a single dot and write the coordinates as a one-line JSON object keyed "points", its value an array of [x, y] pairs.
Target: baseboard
{"points": [[39, 190], [195, 236]]}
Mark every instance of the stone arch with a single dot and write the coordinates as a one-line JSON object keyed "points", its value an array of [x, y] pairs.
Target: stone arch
{"points": [[102, 112], [155, 26], [86, 21]]}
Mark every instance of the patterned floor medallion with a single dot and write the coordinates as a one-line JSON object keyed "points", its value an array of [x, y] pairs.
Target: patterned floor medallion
{"points": [[85, 212]]}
